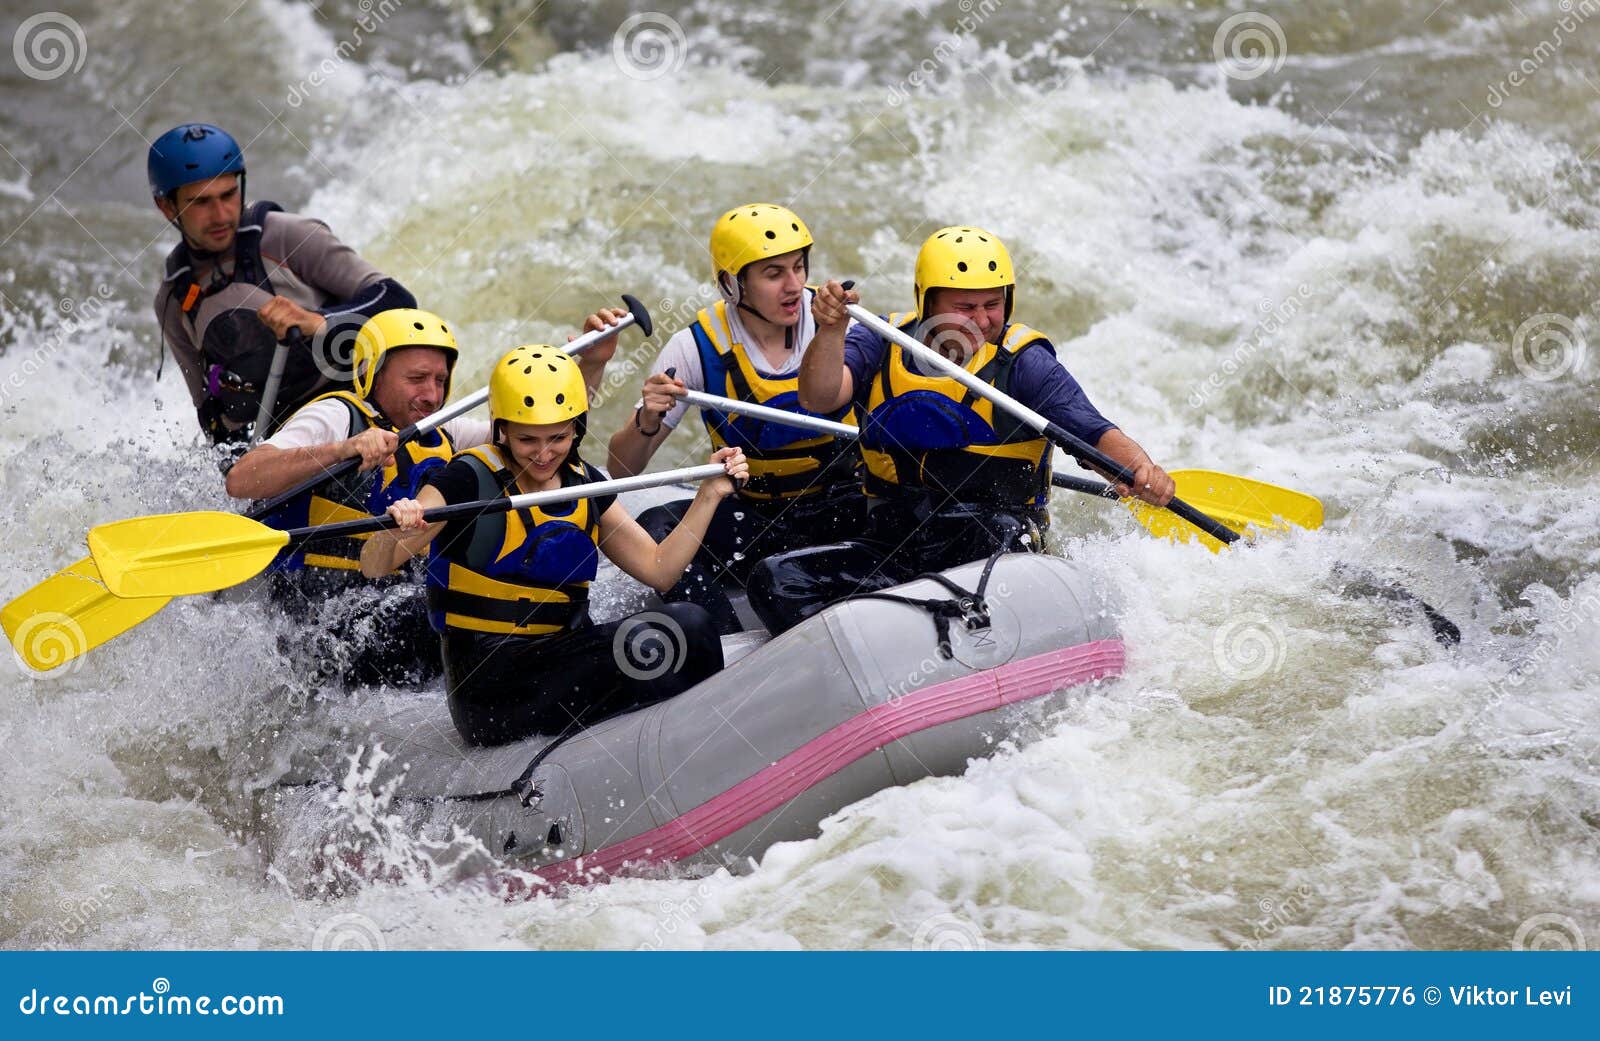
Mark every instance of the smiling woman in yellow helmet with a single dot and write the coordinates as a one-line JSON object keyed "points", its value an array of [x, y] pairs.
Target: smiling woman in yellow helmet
{"points": [[949, 477], [748, 346], [403, 361], [509, 592]]}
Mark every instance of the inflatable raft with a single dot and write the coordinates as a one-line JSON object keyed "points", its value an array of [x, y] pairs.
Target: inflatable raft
{"points": [[794, 729]]}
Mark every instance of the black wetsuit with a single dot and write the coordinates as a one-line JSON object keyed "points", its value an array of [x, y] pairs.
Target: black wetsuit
{"points": [[745, 532], [902, 540], [505, 686]]}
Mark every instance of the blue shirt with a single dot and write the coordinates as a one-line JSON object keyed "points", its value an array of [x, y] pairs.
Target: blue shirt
{"points": [[1038, 381]]}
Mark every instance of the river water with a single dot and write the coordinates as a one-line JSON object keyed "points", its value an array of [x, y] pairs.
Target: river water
{"points": [[1348, 248]]}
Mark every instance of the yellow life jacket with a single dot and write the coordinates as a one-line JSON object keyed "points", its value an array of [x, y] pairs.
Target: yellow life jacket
{"points": [[525, 572], [785, 462], [929, 434], [357, 495]]}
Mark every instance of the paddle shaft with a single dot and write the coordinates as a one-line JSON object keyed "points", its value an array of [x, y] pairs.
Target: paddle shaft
{"points": [[1073, 444], [828, 426], [637, 315], [269, 397], [772, 415], [504, 504]]}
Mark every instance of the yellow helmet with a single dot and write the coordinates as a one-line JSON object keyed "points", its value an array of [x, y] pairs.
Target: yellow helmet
{"points": [[963, 258], [537, 384], [392, 331], [746, 234]]}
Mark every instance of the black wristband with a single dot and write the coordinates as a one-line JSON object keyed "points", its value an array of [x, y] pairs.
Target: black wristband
{"points": [[640, 426]]}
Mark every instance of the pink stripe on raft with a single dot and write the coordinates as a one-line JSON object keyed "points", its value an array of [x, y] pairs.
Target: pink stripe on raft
{"points": [[829, 752]]}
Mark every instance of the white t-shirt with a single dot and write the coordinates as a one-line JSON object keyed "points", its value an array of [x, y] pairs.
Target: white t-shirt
{"points": [[325, 422], [681, 355]]}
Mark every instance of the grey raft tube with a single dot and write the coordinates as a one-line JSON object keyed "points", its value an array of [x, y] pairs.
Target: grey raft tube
{"points": [[848, 703]]}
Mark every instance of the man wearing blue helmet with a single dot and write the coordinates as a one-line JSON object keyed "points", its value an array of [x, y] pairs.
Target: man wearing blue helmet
{"points": [[242, 277]]}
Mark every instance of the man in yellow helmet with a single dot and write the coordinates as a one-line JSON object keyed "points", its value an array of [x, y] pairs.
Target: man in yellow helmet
{"points": [[509, 591], [403, 362], [949, 477], [803, 487]]}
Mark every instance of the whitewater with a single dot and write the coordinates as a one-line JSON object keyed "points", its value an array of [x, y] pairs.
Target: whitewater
{"points": [[1346, 248]]}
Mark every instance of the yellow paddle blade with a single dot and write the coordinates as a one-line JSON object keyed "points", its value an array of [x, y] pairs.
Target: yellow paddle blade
{"points": [[176, 554], [69, 613], [1238, 502]]}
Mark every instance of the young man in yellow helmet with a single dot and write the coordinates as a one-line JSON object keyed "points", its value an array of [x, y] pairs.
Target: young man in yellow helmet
{"points": [[949, 477], [803, 486], [508, 592], [404, 360]]}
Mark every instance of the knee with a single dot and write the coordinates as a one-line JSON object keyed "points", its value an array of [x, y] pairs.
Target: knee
{"points": [[676, 644], [786, 588]]}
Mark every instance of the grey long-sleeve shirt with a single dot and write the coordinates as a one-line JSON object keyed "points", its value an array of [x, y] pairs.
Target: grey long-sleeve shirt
{"points": [[304, 261]]}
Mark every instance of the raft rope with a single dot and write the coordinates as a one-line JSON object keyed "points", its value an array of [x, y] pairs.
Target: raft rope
{"points": [[966, 606]]}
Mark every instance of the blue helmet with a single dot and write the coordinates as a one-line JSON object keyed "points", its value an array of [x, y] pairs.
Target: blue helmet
{"points": [[192, 152]]}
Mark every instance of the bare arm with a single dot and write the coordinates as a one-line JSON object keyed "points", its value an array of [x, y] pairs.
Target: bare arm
{"points": [[636, 442], [266, 470], [825, 383], [592, 362], [385, 551], [1150, 482], [660, 565]]}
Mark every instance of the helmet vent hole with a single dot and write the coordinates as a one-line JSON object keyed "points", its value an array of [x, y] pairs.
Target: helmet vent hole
{"points": [[993, 266], [418, 326], [527, 369], [561, 399], [552, 368], [772, 234], [961, 265], [960, 238], [527, 400]]}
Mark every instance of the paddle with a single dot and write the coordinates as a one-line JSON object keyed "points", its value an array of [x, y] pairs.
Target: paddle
{"points": [[72, 611], [269, 397], [1220, 493], [780, 416], [637, 315], [1238, 502], [177, 554], [1072, 444]]}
